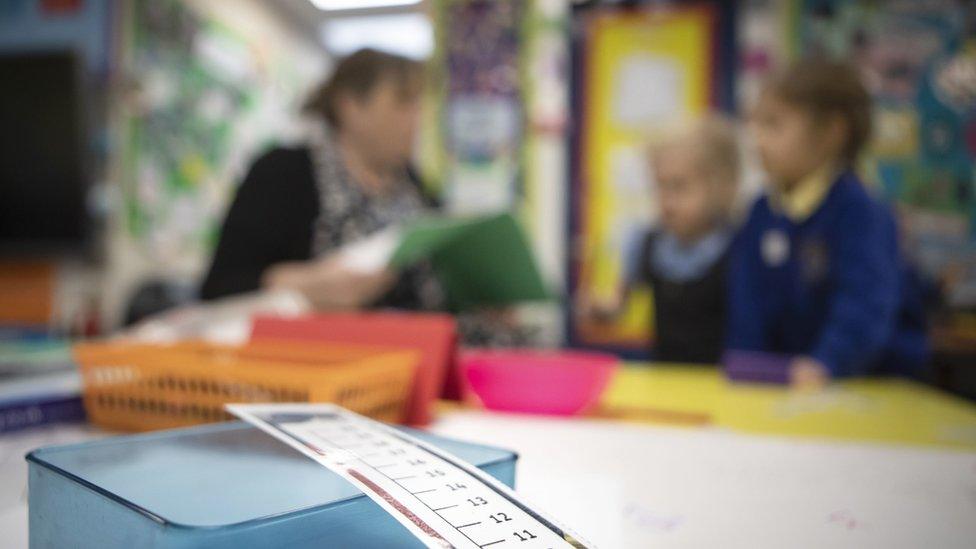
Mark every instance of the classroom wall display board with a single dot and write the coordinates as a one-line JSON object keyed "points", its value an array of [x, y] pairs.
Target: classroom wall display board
{"points": [[481, 118], [637, 69], [201, 97], [918, 60], [495, 115]]}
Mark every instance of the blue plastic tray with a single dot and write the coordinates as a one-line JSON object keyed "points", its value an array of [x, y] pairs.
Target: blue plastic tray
{"points": [[216, 486]]}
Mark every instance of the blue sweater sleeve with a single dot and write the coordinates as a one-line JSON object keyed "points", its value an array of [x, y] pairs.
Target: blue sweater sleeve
{"points": [[746, 324], [864, 303]]}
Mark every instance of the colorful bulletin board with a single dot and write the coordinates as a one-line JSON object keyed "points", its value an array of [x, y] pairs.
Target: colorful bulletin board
{"points": [[636, 69], [919, 62], [482, 116], [509, 154], [201, 100]]}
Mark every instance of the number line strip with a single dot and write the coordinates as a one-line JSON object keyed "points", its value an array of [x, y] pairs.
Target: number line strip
{"points": [[415, 497], [342, 427]]}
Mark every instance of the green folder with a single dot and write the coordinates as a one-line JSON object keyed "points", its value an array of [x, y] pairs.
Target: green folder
{"points": [[480, 261]]}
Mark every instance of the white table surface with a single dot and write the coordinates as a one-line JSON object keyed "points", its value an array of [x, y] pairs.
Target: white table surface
{"points": [[626, 485]]}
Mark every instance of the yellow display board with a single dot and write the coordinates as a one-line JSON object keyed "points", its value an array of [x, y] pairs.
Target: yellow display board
{"points": [[643, 71], [877, 410]]}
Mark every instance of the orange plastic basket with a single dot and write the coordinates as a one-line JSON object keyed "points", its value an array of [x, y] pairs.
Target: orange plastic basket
{"points": [[143, 387]]}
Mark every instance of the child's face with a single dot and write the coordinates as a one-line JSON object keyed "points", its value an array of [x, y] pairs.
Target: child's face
{"points": [[684, 192], [790, 143]]}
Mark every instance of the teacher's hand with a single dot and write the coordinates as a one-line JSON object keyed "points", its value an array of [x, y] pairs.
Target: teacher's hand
{"points": [[329, 285]]}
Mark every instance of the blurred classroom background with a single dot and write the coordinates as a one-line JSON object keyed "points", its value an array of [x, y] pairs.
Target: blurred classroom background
{"points": [[127, 128], [128, 125]]}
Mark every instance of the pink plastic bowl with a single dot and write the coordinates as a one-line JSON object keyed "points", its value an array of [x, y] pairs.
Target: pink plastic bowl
{"points": [[538, 382]]}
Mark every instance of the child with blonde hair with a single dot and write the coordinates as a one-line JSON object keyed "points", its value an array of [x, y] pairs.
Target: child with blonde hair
{"points": [[683, 259]]}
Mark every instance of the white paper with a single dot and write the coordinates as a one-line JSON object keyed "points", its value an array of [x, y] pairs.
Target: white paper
{"points": [[225, 321], [647, 90], [371, 254]]}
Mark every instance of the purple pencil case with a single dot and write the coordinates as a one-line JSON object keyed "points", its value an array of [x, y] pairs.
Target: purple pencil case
{"points": [[756, 367]]}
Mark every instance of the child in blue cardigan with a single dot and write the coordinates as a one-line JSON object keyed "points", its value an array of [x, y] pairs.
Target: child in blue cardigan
{"points": [[816, 271]]}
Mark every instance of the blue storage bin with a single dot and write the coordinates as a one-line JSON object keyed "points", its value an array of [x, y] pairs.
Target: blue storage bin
{"points": [[224, 485]]}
